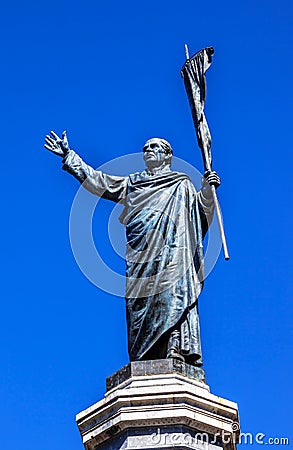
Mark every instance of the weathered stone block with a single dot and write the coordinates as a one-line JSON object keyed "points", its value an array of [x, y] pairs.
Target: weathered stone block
{"points": [[159, 405]]}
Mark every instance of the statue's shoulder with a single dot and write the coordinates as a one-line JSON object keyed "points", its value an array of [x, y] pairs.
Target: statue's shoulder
{"points": [[180, 175]]}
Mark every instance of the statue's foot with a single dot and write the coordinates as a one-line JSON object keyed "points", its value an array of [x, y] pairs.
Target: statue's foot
{"points": [[175, 355]]}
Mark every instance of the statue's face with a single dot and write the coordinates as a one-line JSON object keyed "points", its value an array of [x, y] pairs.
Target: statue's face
{"points": [[154, 153]]}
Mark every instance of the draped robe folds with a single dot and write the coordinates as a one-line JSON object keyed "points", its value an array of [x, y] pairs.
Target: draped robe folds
{"points": [[165, 220]]}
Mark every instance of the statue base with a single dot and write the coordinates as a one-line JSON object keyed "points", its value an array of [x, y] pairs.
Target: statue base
{"points": [[159, 404]]}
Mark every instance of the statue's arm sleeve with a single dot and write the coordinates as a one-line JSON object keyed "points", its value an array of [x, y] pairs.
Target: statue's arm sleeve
{"points": [[206, 207], [95, 181]]}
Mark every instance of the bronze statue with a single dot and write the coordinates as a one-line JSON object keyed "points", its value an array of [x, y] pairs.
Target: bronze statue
{"points": [[165, 220]]}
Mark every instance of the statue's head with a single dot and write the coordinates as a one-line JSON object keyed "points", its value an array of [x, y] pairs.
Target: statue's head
{"points": [[157, 152]]}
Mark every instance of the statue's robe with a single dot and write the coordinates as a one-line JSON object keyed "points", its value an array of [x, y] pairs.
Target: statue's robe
{"points": [[165, 220]]}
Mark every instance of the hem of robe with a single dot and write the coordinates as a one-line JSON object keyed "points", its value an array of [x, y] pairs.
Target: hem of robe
{"points": [[158, 349]]}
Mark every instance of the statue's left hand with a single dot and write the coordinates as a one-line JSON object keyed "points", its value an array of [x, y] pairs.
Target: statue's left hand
{"points": [[57, 145], [212, 178]]}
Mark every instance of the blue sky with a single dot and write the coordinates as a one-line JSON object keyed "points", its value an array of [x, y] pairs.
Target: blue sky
{"points": [[109, 73]]}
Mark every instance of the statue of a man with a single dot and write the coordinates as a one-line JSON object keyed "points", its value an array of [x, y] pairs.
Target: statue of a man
{"points": [[166, 220]]}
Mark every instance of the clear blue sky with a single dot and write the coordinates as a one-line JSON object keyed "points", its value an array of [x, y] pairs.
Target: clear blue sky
{"points": [[108, 73]]}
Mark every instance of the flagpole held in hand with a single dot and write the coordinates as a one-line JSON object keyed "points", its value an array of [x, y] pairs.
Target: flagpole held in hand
{"points": [[193, 73]]}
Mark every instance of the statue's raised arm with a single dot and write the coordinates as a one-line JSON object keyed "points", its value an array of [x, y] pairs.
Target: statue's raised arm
{"points": [[110, 187]]}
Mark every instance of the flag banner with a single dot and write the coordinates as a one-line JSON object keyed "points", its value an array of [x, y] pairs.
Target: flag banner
{"points": [[193, 73]]}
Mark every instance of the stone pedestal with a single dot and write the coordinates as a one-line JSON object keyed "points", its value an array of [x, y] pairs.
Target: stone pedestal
{"points": [[159, 404]]}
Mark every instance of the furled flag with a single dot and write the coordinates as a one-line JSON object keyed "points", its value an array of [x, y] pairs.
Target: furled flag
{"points": [[193, 73]]}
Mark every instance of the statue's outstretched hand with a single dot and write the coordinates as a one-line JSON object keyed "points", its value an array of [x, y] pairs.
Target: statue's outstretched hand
{"points": [[57, 145], [212, 178]]}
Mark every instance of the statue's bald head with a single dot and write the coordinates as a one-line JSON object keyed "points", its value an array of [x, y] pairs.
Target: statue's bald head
{"points": [[157, 151]]}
